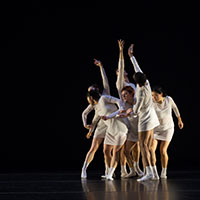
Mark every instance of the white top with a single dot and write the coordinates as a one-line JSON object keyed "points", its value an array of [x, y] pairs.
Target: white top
{"points": [[164, 113], [106, 106], [132, 120], [106, 91], [120, 83], [147, 118]]}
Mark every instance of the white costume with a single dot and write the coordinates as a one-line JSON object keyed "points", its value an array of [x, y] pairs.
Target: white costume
{"points": [[147, 118], [116, 128], [132, 121], [165, 130], [100, 130]]}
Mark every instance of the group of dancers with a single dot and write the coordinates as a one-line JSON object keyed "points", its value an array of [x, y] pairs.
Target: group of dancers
{"points": [[130, 124]]}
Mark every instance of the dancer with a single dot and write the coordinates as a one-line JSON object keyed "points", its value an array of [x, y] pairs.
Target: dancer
{"points": [[100, 130], [116, 128], [164, 132], [147, 118], [126, 91]]}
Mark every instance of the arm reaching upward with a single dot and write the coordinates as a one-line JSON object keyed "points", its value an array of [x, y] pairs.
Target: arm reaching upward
{"points": [[104, 77], [133, 60], [120, 77]]}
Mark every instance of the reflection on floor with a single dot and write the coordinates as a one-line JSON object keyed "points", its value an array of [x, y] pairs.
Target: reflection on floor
{"points": [[184, 185]]}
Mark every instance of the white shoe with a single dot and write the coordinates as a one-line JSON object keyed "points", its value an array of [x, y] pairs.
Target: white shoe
{"points": [[145, 178], [124, 174], [103, 176], [163, 176], [83, 174], [139, 172], [155, 177], [110, 178], [132, 174]]}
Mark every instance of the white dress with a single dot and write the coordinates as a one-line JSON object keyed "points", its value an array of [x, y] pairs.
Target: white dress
{"points": [[100, 126], [165, 130], [132, 122], [144, 108], [116, 128]]}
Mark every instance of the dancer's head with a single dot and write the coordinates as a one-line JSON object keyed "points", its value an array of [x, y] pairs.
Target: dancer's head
{"points": [[93, 96], [158, 93], [93, 87], [128, 94], [140, 78]]}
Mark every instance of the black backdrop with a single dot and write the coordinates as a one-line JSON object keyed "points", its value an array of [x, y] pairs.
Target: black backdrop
{"points": [[47, 65]]}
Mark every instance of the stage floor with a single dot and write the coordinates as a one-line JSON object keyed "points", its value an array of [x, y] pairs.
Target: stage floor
{"points": [[180, 185]]}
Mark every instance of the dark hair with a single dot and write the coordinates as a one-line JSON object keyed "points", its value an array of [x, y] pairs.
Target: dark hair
{"points": [[140, 78], [128, 89], [158, 89], [94, 94]]}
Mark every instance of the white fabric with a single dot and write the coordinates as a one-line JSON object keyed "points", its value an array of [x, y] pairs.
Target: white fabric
{"points": [[132, 122], [115, 127], [99, 124], [164, 113], [147, 118], [165, 130]]}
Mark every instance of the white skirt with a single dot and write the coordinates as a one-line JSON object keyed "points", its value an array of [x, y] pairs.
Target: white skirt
{"points": [[100, 130], [147, 120], [115, 140], [165, 135]]}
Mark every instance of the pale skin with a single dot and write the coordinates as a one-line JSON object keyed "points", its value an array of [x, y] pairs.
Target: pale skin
{"points": [[96, 142], [129, 146], [158, 98], [145, 137]]}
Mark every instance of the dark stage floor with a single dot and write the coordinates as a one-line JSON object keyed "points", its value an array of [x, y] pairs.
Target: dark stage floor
{"points": [[183, 185]]}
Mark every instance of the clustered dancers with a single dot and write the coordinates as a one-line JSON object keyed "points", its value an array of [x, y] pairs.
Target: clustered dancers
{"points": [[130, 124]]}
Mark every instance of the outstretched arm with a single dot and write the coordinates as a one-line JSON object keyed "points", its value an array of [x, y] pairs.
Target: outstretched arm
{"points": [[104, 77], [120, 77], [133, 60]]}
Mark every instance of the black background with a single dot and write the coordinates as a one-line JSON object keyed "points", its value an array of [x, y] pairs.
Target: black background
{"points": [[47, 65]]}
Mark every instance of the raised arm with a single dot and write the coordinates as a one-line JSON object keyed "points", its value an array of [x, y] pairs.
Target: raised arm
{"points": [[104, 77], [120, 77], [133, 60]]}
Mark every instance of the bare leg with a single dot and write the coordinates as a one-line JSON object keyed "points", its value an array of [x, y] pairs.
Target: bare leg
{"points": [[145, 139], [123, 161], [136, 158], [153, 151], [153, 159], [107, 149], [164, 157], [90, 155], [114, 161]]}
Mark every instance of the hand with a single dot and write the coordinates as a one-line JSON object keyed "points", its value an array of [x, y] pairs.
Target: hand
{"points": [[129, 111], [180, 124], [130, 50], [98, 63], [122, 111], [121, 44], [104, 117], [89, 134]]}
